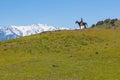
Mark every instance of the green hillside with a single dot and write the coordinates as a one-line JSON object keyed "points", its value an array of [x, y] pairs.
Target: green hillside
{"points": [[88, 54]]}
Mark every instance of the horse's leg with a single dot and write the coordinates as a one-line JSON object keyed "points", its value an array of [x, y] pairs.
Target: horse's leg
{"points": [[85, 26], [80, 27]]}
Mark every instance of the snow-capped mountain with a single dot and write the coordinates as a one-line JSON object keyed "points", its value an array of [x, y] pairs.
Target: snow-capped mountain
{"points": [[9, 32]]}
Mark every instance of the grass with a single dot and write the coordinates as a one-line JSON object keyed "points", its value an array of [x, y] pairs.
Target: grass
{"points": [[89, 54]]}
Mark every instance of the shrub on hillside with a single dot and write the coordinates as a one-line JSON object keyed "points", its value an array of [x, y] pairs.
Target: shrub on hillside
{"points": [[99, 23], [107, 20]]}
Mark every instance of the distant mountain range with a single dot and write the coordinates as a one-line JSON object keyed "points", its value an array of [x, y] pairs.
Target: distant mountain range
{"points": [[10, 32]]}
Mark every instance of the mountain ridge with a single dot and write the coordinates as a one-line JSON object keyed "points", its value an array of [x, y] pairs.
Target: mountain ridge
{"points": [[10, 32]]}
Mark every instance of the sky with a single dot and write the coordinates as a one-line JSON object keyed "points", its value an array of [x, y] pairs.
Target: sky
{"points": [[59, 13]]}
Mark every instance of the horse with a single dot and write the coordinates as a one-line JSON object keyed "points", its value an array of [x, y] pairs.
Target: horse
{"points": [[81, 23]]}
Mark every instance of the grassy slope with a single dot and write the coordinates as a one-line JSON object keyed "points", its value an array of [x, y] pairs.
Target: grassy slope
{"points": [[91, 54]]}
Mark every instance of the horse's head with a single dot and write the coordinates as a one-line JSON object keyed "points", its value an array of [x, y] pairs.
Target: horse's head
{"points": [[76, 22]]}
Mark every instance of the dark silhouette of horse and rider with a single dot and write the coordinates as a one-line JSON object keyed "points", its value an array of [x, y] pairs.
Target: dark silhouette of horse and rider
{"points": [[81, 23]]}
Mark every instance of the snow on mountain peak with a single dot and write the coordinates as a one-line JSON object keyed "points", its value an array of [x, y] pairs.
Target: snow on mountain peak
{"points": [[10, 32]]}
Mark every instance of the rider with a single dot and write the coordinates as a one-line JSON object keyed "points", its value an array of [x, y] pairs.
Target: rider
{"points": [[81, 20]]}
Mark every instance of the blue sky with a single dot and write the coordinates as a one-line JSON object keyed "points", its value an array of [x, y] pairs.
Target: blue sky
{"points": [[57, 12]]}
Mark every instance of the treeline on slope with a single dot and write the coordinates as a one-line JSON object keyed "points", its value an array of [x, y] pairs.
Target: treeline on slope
{"points": [[107, 24]]}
